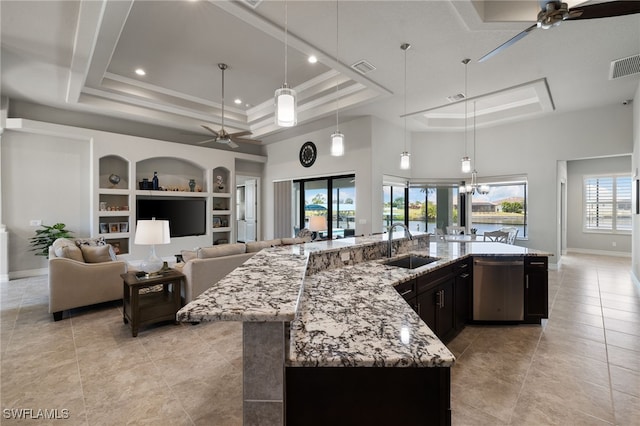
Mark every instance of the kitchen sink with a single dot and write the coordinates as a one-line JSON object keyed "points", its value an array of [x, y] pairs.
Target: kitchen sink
{"points": [[411, 261]]}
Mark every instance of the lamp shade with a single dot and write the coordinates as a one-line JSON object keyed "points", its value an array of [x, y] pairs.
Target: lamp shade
{"points": [[286, 114], [317, 223], [337, 144], [466, 164], [150, 232], [405, 161]]}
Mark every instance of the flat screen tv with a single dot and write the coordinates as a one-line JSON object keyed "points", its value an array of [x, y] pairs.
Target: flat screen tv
{"points": [[186, 216]]}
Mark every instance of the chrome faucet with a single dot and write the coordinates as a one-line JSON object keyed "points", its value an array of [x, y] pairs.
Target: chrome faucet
{"points": [[407, 234]]}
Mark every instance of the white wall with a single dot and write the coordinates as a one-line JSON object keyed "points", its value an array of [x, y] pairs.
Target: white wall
{"points": [[47, 174], [283, 164], [44, 178], [532, 148], [577, 239]]}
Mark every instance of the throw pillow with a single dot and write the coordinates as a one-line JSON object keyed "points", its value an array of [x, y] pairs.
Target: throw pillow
{"points": [[93, 242], [69, 252], [97, 254]]}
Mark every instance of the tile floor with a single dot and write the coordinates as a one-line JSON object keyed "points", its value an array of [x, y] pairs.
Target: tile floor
{"points": [[582, 367]]}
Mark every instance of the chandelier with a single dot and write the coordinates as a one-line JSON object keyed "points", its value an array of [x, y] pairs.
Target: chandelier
{"points": [[474, 187]]}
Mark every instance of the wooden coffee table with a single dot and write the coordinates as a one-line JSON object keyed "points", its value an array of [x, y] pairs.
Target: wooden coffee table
{"points": [[148, 300]]}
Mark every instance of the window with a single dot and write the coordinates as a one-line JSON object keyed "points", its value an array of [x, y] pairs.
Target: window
{"points": [[505, 206], [607, 203], [425, 206]]}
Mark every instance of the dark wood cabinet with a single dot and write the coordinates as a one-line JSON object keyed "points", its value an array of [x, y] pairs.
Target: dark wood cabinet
{"points": [[536, 289], [435, 301], [462, 293]]}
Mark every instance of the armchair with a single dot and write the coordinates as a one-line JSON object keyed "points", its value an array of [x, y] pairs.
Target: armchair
{"points": [[74, 283]]}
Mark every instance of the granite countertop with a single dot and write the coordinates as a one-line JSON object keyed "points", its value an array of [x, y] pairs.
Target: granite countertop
{"points": [[266, 287], [353, 317], [348, 316]]}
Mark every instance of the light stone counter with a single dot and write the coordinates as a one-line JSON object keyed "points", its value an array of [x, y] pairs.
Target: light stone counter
{"points": [[339, 300]]}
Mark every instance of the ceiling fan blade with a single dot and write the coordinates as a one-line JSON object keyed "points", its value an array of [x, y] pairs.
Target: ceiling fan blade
{"points": [[208, 140], [251, 141], [211, 130], [605, 10], [508, 43], [239, 134]]}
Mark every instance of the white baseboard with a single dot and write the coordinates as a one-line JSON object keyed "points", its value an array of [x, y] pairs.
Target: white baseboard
{"points": [[599, 252], [28, 273]]}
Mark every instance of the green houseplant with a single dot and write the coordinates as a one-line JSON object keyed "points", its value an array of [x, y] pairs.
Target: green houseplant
{"points": [[46, 236]]}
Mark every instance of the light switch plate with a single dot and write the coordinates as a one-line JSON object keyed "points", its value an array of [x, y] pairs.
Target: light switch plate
{"points": [[345, 256]]}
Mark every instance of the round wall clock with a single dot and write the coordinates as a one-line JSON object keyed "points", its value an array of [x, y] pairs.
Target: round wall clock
{"points": [[308, 154]]}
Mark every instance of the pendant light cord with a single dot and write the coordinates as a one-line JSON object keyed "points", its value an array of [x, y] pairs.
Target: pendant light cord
{"points": [[285, 42], [337, 75], [466, 104], [405, 47], [223, 67]]}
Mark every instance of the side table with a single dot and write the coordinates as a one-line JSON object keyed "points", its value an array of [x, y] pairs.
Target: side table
{"points": [[142, 304]]}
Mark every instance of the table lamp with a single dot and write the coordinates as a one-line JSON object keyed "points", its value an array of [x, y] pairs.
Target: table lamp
{"points": [[152, 232], [316, 224]]}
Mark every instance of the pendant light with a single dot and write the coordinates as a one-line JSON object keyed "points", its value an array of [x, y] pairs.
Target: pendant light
{"points": [[337, 138], [466, 161], [286, 114], [405, 160], [474, 187]]}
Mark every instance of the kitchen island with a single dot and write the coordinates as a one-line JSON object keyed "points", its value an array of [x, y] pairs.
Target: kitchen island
{"points": [[327, 313]]}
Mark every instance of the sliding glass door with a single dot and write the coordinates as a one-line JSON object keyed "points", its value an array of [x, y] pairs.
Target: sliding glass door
{"points": [[326, 206]]}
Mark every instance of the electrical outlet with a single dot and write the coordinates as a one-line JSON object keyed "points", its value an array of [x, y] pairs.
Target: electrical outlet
{"points": [[35, 222]]}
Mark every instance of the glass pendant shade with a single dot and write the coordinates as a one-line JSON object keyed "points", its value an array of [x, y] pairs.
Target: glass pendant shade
{"points": [[405, 161], [466, 165], [337, 144], [286, 107]]}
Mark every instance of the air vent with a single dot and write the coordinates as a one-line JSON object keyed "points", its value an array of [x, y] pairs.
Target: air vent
{"points": [[253, 3], [363, 67], [455, 98], [624, 67]]}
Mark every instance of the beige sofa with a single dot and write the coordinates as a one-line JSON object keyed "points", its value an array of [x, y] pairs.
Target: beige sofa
{"points": [[82, 272], [206, 266]]}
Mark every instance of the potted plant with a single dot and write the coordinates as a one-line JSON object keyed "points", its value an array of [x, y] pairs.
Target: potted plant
{"points": [[46, 236]]}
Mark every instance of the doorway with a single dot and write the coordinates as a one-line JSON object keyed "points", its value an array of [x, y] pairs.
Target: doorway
{"points": [[247, 208]]}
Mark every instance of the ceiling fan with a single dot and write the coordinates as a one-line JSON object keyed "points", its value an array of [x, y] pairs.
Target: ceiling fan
{"points": [[221, 136], [553, 12]]}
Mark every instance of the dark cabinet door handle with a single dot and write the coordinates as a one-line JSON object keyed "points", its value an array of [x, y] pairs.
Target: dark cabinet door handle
{"points": [[404, 293], [536, 263], [464, 276], [526, 282]]}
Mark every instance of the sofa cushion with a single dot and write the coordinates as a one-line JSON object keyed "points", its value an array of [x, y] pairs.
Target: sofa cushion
{"points": [[255, 246], [221, 250], [188, 255], [63, 247], [297, 240], [97, 254]]}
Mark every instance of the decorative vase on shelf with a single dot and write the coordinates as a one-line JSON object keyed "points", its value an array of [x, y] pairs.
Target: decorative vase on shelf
{"points": [[155, 183], [219, 185], [192, 185], [114, 179]]}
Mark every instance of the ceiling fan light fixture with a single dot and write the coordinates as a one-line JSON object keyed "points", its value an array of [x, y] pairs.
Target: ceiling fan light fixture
{"points": [[337, 144], [286, 107]]}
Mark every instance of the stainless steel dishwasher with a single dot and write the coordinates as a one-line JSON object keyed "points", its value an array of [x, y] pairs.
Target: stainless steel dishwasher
{"points": [[498, 289]]}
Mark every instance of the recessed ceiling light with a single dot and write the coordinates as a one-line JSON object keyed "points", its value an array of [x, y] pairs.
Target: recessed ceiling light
{"points": [[312, 59], [140, 71], [238, 101]]}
